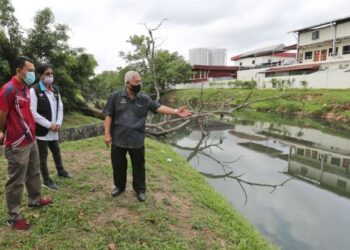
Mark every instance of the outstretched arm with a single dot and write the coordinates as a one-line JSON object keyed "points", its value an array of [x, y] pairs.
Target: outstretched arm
{"points": [[182, 112]]}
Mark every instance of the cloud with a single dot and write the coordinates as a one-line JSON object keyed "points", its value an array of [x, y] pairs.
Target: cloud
{"points": [[103, 27]]}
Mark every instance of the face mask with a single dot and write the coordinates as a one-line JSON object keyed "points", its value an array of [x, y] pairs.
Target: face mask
{"points": [[29, 78], [48, 79], [136, 89]]}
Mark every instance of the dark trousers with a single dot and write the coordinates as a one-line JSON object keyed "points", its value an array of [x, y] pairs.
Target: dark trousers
{"points": [[54, 147], [120, 164]]}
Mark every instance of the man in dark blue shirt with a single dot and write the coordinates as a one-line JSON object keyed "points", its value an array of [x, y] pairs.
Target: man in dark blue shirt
{"points": [[125, 124]]}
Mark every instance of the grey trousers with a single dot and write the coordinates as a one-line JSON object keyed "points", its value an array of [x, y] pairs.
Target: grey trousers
{"points": [[23, 169]]}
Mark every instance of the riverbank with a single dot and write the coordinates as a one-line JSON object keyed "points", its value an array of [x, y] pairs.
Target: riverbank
{"points": [[181, 212], [327, 104]]}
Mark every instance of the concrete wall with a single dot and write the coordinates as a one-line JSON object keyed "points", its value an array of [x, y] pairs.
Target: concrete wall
{"points": [[326, 33], [331, 75], [83, 132]]}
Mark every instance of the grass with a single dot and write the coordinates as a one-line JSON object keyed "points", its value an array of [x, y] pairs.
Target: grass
{"points": [[181, 212], [315, 103], [75, 119]]}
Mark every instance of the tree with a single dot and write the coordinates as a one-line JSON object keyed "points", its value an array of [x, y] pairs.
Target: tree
{"points": [[103, 84], [157, 67], [48, 42], [11, 38], [170, 66]]}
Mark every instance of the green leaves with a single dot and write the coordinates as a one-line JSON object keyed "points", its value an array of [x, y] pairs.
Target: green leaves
{"points": [[47, 41]]}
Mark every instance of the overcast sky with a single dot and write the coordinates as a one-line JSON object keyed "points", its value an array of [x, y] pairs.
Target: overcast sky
{"points": [[103, 27]]}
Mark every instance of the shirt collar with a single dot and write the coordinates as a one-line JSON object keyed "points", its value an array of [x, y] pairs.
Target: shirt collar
{"points": [[125, 94], [43, 87], [17, 84]]}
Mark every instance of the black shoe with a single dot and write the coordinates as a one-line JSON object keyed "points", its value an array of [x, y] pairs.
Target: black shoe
{"points": [[141, 196], [117, 192], [50, 184], [64, 174]]}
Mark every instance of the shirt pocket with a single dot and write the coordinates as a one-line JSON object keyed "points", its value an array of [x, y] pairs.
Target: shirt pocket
{"points": [[140, 110]]}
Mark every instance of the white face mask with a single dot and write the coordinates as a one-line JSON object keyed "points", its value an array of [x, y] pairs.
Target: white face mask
{"points": [[48, 79]]}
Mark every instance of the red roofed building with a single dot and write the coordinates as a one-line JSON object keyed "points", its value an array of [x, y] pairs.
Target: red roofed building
{"points": [[201, 73]]}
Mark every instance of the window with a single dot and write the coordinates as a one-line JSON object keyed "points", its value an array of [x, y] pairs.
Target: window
{"points": [[346, 163], [335, 161], [253, 62], [308, 55], [308, 153], [346, 49], [314, 154], [315, 35], [330, 51], [300, 151]]}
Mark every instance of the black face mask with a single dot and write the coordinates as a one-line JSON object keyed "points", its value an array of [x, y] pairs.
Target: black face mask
{"points": [[136, 89]]}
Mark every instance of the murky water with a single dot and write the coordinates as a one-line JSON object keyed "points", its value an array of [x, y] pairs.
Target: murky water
{"points": [[290, 180]]}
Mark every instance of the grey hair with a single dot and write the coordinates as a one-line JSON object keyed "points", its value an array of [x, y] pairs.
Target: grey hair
{"points": [[129, 76]]}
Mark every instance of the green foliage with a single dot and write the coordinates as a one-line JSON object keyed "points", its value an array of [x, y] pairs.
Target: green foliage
{"points": [[306, 102], [244, 84], [282, 83], [10, 39], [75, 119], [171, 67], [103, 84], [304, 83], [46, 42]]}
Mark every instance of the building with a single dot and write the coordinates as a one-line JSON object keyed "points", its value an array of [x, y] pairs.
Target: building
{"points": [[322, 59], [265, 57], [202, 73], [206, 56], [326, 41]]}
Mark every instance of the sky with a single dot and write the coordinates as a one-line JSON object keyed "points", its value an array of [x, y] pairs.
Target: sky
{"points": [[103, 27]]}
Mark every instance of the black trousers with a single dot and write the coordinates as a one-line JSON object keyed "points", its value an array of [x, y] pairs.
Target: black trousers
{"points": [[54, 147], [120, 165]]}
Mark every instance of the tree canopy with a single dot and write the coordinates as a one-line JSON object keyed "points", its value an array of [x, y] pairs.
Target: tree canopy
{"points": [[170, 66], [47, 41]]}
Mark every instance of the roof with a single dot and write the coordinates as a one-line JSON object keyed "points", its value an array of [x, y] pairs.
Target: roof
{"points": [[290, 47], [325, 24], [285, 54], [293, 68], [215, 67], [261, 52]]}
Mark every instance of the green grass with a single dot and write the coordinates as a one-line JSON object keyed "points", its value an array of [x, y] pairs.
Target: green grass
{"points": [[303, 102], [181, 212], [75, 119]]}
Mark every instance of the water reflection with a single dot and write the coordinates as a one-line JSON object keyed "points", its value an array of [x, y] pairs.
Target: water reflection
{"points": [[291, 182]]}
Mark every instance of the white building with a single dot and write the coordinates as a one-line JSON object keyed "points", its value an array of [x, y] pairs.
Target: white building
{"points": [[265, 57], [317, 43], [206, 56], [317, 66]]}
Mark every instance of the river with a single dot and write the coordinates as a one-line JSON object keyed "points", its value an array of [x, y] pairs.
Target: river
{"points": [[290, 178]]}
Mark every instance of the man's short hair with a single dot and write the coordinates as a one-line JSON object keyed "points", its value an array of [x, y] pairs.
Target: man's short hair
{"points": [[130, 75], [21, 61]]}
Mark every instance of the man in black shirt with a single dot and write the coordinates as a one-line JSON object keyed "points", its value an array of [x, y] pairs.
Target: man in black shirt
{"points": [[125, 123]]}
